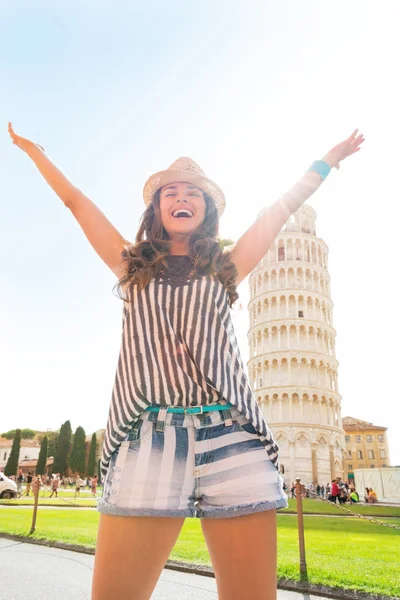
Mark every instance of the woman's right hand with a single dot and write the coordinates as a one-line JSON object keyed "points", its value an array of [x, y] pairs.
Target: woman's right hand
{"points": [[22, 143]]}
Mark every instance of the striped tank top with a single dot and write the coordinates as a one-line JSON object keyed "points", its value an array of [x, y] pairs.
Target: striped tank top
{"points": [[179, 348]]}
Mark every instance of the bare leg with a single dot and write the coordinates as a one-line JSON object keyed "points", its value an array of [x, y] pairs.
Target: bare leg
{"points": [[130, 554], [243, 554]]}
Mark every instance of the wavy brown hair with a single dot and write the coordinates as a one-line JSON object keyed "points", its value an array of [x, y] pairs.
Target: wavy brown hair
{"points": [[147, 256]]}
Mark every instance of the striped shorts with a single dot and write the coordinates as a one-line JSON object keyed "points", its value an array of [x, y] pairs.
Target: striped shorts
{"points": [[211, 465]]}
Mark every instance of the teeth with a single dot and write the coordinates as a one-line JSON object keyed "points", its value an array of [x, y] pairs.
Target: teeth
{"points": [[182, 211]]}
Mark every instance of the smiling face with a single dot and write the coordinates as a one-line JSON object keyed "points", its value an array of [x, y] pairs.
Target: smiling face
{"points": [[183, 209]]}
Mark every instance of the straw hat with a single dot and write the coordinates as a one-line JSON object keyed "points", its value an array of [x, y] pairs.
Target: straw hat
{"points": [[184, 169]]}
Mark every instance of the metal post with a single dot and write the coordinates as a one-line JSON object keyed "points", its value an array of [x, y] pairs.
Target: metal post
{"points": [[36, 488], [300, 526]]}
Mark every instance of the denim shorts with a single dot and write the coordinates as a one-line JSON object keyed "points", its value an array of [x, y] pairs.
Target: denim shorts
{"points": [[211, 465]]}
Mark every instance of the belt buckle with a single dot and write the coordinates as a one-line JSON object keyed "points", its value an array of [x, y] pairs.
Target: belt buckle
{"points": [[187, 408]]}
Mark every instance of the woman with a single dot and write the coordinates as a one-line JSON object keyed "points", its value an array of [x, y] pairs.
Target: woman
{"points": [[185, 436], [94, 485]]}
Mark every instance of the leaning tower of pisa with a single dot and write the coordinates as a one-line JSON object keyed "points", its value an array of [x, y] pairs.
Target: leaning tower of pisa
{"points": [[292, 365]]}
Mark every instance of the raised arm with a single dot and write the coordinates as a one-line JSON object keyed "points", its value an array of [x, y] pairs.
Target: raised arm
{"points": [[255, 242], [102, 235]]}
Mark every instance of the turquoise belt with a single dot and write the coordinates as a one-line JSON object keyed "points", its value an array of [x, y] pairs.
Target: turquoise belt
{"points": [[190, 410]]}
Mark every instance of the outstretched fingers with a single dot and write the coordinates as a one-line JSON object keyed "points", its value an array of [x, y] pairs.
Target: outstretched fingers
{"points": [[353, 135], [11, 132]]}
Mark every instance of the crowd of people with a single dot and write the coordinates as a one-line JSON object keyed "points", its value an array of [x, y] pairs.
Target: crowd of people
{"points": [[336, 491], [53, 483]]}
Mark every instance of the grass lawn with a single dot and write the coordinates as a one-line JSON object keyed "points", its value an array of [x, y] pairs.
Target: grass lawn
{"points": [[317, 506], [309, 506], [85, 498], [343, 552], [46, 501]]}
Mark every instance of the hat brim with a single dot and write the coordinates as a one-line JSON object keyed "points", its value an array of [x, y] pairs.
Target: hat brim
{"points": [[162, 178]]}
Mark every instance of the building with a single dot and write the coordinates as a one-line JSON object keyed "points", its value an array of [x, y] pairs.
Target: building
{"points": [[292, 365], [29, 450], [29, 466], [366, 446]]}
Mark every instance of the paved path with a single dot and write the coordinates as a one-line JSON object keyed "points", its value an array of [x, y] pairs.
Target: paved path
{"points": [[67, 575]]}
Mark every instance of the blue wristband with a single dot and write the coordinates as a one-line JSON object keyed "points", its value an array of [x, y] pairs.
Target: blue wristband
{"points": [[320, 167]]}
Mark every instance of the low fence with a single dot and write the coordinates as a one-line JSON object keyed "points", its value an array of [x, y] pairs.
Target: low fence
{"points": [[300, 493]]}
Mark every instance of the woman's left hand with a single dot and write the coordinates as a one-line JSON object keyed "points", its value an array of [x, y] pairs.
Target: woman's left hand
{"points": [[344, 149]]}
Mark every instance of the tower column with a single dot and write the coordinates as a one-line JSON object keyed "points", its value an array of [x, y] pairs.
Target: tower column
{"points": [[293, 474], [314, 447]]}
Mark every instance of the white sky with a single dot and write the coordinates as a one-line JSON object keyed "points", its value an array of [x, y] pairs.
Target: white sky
{"points": [[254, 92]]}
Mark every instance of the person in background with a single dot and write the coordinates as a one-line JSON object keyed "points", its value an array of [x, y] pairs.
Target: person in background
{"points": [[78, 484], [343, 495], [322, 491], [28, 483], [372, 496], [354, 497], [20, 479], [310, 490], [334, 491], [366, 494], [94, 485], [54, 485]]}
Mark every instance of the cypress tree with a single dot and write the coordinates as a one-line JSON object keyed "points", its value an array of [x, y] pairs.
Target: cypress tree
{"points": [[77, 460], [52, 437], [61, 454], [11, 467], [41, 463], [91, 468]]}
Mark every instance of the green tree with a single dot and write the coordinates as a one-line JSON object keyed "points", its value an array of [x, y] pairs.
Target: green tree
{"points": [[26, 434], [91, 467], [11, 467], [62, 449], [52, 439], [9, 435], [41, 463], [77, 460]]}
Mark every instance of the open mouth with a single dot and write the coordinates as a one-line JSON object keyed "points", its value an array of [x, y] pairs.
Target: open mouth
{"points": [[182, 213]]}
